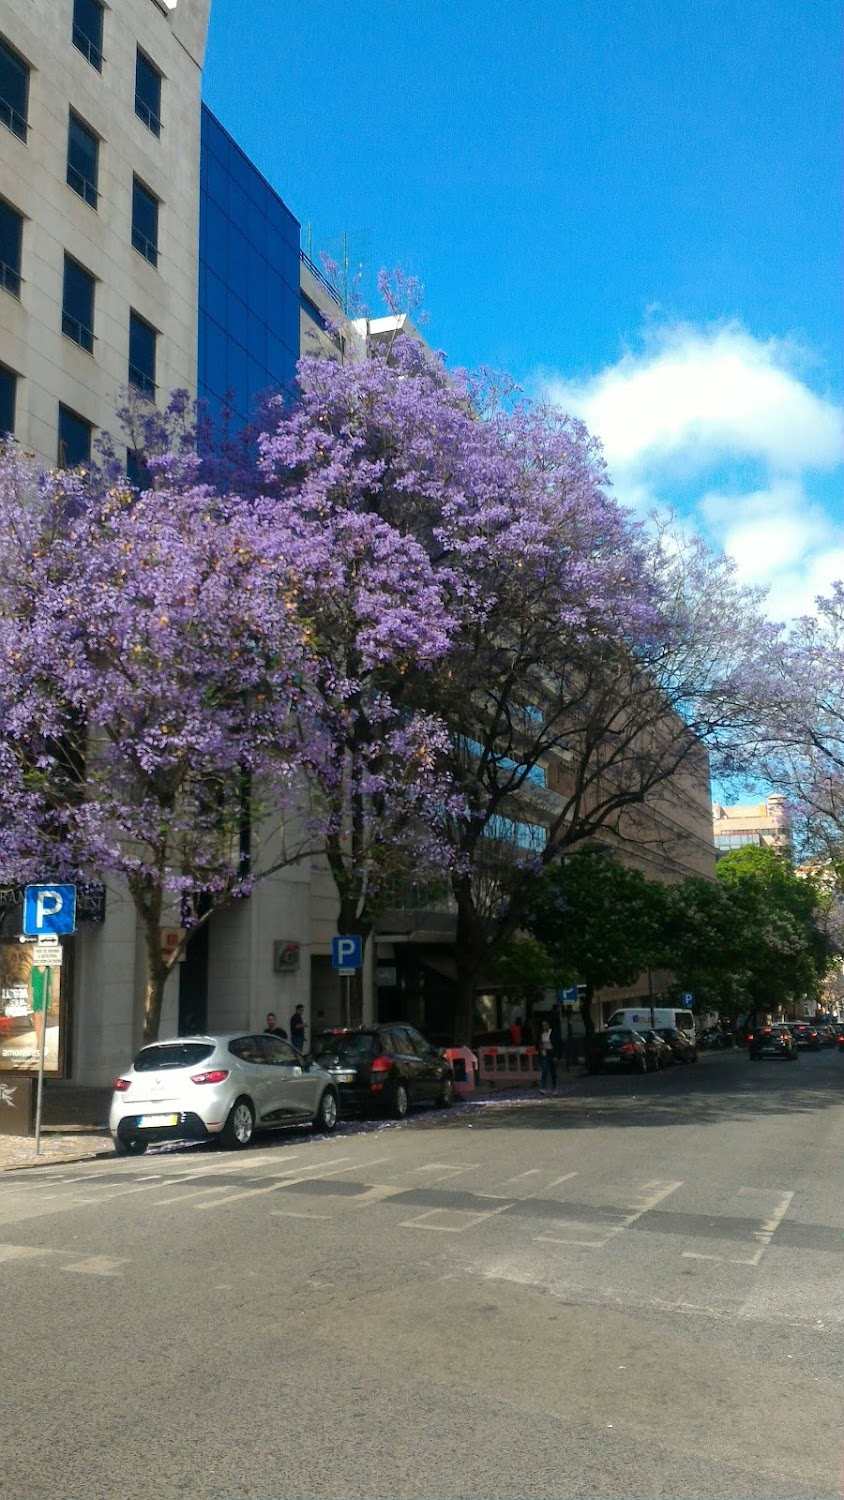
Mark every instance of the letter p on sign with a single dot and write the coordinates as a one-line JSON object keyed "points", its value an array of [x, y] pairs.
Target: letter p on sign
{"points": [[346, 954], [49, 909]]}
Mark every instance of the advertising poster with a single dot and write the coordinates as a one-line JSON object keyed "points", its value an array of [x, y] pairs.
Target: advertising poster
{"points": [[31, 1004]]}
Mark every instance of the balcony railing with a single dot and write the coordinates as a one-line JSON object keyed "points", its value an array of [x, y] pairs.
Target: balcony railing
{"points": [[323, 280]]}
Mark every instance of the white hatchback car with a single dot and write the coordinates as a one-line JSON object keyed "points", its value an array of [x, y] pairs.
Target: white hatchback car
{"points": [[193, 1088]]}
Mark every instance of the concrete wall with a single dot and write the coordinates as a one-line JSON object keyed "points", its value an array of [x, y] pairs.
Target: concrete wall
{"points": [[50, 367]]}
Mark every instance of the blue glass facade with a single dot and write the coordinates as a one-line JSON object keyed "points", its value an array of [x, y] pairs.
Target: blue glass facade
{"points": [[248, 278]]}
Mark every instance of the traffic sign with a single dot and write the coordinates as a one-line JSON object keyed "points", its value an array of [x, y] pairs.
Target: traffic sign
{"points": [[568, 996], [49, 910], [346, 954], [47, 954], [688, 1001]]}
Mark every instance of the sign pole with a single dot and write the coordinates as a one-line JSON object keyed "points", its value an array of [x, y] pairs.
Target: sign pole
{"points": [[48, 974]]}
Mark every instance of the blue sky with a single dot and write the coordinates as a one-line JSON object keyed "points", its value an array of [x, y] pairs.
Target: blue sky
{"points": [[636, 209]]}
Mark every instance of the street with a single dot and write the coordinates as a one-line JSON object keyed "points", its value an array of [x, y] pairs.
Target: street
{"points": [[634, 1289]]}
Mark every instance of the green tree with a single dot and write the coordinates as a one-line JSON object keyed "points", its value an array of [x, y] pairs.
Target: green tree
{"points": [[598, 919], [754, 939]]}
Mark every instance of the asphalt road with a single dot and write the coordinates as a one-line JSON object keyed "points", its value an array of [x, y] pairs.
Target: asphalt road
{"points": [[631, 1290]]}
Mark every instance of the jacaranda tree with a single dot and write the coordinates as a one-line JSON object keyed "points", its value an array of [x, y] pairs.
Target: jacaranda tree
{"points": [[153, 690]]}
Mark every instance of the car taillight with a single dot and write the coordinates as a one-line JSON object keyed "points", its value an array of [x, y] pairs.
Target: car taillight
{"points": [[216, 1075], [750, 1036], [766, 1031], [627, 1047], [380, 1066], [121, 1085]]}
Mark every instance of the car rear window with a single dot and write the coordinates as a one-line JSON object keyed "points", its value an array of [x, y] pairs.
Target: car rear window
{"points": [[350, 1046], [172, 1055]]}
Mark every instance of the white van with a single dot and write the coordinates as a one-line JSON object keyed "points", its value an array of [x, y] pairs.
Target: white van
{"points": [[641, 1018]]}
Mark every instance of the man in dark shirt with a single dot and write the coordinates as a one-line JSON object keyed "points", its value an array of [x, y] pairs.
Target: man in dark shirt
{"points": [[271, 1029], [297, 1028]]}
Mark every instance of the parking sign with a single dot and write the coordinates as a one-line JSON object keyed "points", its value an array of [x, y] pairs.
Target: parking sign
{"points": [[346, 954], [49, 910]]}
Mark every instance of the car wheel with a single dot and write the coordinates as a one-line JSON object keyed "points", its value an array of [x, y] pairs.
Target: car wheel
{"points": [[400, 1101], [446, 1098], [325, 1119], [129, 1145], [642, 1065], [239, 1127]]}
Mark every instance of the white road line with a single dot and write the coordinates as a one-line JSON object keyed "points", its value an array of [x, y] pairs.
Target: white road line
{"points": [[97, 1265], [290, 1213], [642, 1204], [762, 1236], [181, 1197], [476, 1218], [20, 1252], [379, 1193], [284, 1182]]}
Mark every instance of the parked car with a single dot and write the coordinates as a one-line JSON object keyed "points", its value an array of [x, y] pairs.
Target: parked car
{"points": [[827, 1034], [772, 1041], [806, 1035], [682, 1044], [616, 1049], [384, 1068], [659, 1052], [198, 1087]]}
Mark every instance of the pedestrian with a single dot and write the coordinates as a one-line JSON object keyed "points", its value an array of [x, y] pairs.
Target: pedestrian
{"points": [[297, 1028], [557, 1037], [272, 1027], [547, 1064]]}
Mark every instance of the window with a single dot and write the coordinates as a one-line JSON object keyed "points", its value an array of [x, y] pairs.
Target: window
{"points": [[148, 93], [88, 31], [14, 91], [78, 305], [280, 1054], [142, 355], [74, 439], [145, 222], [8, 385], [83, 151], [11, 231]]}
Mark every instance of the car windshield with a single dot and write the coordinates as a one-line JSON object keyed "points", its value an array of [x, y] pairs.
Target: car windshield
{"points": [[350, 1046], [172, 1055], [614, 1037]]}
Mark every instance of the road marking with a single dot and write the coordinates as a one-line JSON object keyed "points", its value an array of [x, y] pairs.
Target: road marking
{"points": [[762, 1236], [20, 1252], [288, 1181], [181, 1197], [376, 1194], [292, 1213], [97, 1265], [642, 1204], [455, 1213]]}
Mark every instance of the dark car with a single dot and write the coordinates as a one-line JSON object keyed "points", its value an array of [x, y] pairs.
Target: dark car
{"points": [[384, 1069], [659, 1052], [772, 1041], [682, 1043], [806, 1035], [618, 1048], [828, 1035]]}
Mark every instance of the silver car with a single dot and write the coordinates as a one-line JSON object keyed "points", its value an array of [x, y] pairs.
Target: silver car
{"points": [[192, 1088]]}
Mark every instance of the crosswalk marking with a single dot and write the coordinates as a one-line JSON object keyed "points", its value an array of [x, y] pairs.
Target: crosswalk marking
{"points": [[97, 1265]]}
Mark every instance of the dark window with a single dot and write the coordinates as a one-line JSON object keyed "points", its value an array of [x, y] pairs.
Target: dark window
{"points": [[78, 305], [157, 1058], [11, 231], [8, 384], [83, 150], [14, 90], [74, 439], [136, 470], [142, 355], [280, 1054], [148, 93], [249, 1049], [145, 222], [88, 31]]}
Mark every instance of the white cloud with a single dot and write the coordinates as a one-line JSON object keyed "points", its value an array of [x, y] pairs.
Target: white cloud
{"points": [[693, 396], [696, 401]]}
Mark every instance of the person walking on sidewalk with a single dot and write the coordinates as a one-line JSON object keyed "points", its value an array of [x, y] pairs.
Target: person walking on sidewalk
{"points": [[297, 1028], [547, 1062]]}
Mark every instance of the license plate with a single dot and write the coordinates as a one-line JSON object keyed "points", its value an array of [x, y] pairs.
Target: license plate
{"points": [[146, 1122], [770, 1051], [345, 1077]]}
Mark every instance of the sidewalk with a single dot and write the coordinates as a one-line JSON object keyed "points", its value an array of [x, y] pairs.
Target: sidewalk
{"points": [[74, 1127]]}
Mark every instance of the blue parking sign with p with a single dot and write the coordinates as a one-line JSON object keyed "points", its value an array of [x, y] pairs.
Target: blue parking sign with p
{"points": [[346, 953], [49, 910]]}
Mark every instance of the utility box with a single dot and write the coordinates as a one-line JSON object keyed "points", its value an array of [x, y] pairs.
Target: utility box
{"points": [[17, 1104]]}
